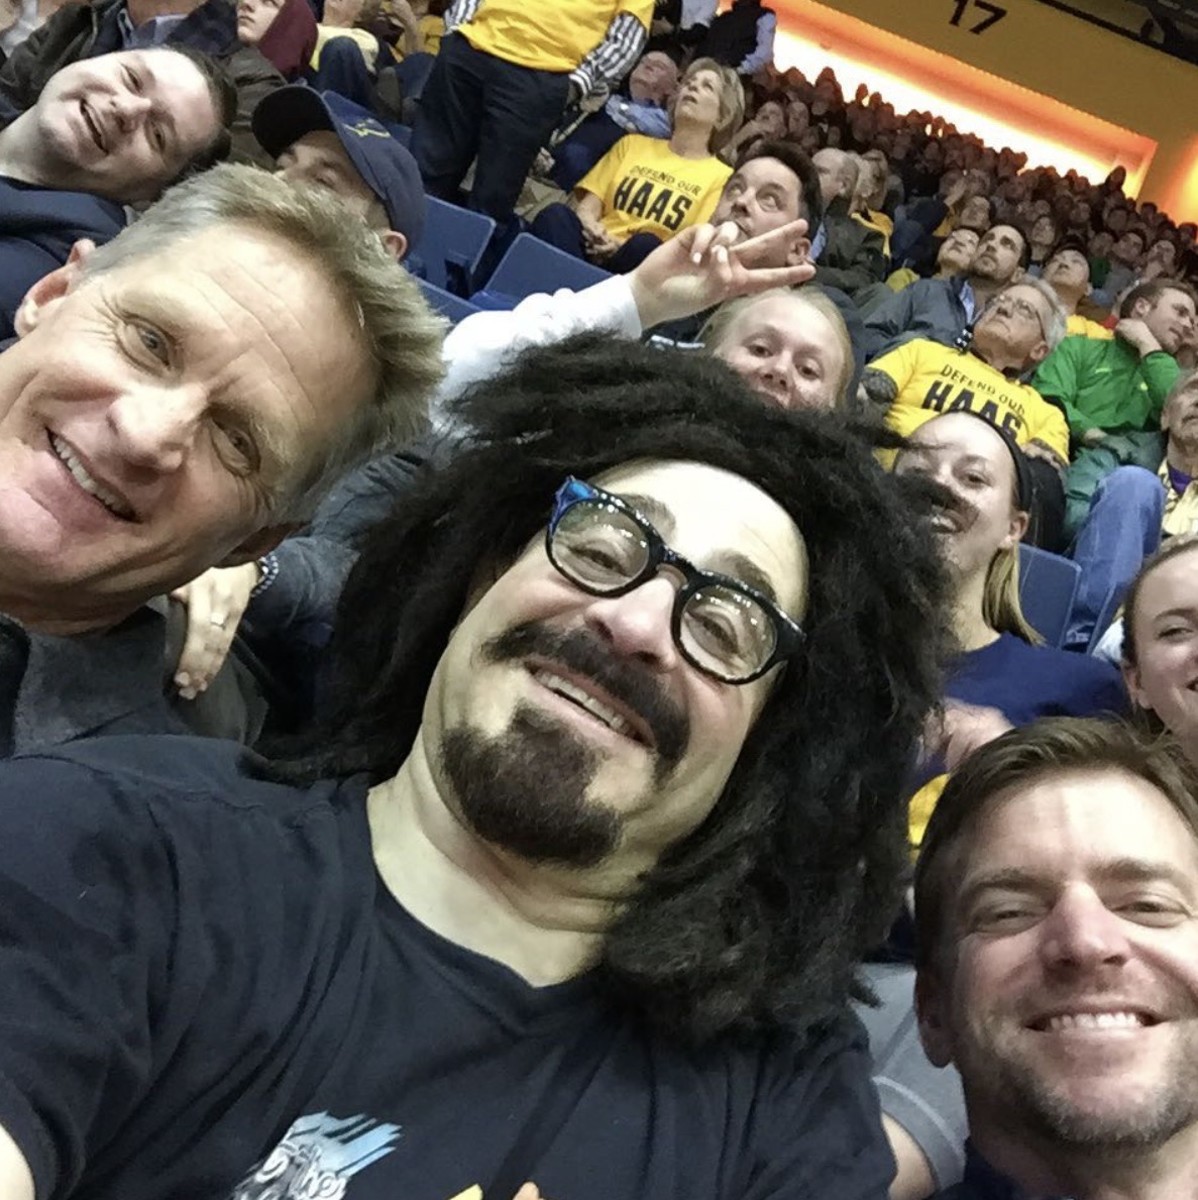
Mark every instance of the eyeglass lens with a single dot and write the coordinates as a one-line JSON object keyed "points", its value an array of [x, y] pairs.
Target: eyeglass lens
{"points": [[721, 630]]}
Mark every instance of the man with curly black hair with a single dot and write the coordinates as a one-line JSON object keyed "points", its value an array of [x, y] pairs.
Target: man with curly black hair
{"points": [[572, 883]]}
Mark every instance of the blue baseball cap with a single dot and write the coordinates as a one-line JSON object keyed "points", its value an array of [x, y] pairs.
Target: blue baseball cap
{"points": [[384, 162]]}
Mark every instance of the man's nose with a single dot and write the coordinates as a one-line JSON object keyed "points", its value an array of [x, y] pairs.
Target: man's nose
{"points": [[638, 624], [156, 428], [130, 109], [1081, 933]]}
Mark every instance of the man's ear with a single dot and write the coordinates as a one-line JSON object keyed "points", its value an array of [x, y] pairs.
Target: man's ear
{"points": [[44, 296], [932, 1015], [260, 543], [1039, 353], [395, 243], [1019, 273], [799, 252]]}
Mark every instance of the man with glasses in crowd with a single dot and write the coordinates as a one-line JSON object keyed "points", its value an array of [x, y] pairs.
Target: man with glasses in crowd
{"points": [[584, 854], [938, 309], [984, 374]]}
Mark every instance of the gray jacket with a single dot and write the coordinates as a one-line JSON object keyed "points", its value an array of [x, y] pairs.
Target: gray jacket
{"points": [[927, 308]]}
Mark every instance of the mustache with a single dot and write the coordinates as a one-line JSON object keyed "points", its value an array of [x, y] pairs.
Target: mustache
{"points": [[585, 653]]}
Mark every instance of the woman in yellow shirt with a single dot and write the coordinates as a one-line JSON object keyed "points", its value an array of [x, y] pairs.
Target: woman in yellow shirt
{"points": [[645, 190]]}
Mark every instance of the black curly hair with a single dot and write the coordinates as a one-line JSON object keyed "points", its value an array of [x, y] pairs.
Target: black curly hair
{"points": [[755, 921]]}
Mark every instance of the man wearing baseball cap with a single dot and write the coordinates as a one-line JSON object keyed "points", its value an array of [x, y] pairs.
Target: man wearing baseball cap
{"points": [[324, 139]]}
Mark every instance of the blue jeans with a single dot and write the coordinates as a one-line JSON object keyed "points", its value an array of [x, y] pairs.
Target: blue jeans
{"points": [[1122, 528]]}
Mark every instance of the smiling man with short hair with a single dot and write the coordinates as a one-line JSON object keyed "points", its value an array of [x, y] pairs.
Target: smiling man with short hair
{"points": [[104, 132], [179, 398], [1056, 902]]}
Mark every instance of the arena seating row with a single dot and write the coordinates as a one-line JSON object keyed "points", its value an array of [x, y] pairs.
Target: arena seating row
{"points": [[450, 261]]}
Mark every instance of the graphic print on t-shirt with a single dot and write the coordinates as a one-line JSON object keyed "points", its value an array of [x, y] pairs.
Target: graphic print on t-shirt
{"points": [[317, 1157], [957, 390]]}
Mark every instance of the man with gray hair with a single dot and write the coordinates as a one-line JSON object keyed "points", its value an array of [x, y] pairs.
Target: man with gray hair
{"points": [[177, 399], [984, 374]]}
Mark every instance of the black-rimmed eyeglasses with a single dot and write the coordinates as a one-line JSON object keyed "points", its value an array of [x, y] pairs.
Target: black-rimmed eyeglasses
{"points": [[725, 628]]}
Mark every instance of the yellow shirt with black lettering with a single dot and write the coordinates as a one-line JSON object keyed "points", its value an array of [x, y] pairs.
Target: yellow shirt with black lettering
{"points": [[933, 379], [547, 35], [647, 188]]}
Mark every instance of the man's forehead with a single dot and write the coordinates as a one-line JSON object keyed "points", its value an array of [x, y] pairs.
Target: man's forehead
{"points": [[692, 497], [324, 143], [1104, 822], [1027, 293], [767, 170]]}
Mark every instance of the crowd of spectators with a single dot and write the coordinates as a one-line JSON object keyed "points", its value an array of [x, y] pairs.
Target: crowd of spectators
{"points": [[558, 698]]}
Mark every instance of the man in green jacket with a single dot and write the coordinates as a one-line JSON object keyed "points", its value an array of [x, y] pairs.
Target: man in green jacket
{"points": [[1120, 386]]}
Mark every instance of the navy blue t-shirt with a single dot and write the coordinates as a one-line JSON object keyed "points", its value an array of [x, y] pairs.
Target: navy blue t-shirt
{"points": [[207, 992], [1025, 682]]}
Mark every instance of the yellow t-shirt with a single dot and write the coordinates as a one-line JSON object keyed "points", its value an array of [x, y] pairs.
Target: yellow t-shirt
{"points": [[903, 277], [432, 30], [647, 188], [1079, 326], [934, 379], [547, 35], [367, 43]]}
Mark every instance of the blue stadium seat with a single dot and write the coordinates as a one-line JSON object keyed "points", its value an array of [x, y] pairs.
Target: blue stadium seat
{"points": [[446, 303], [530, 266], [1047, 588], [452, 247]]}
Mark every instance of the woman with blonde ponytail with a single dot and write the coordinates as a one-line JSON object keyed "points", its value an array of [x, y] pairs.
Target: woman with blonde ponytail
{"points": [[1003, 675]]}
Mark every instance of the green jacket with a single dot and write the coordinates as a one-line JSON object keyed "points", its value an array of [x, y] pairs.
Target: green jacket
{"points": [[1106, 384]]}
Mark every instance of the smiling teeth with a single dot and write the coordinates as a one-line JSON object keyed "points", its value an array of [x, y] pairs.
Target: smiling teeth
{"points": [[1111, 1020], [113, 503], [609, 716]]}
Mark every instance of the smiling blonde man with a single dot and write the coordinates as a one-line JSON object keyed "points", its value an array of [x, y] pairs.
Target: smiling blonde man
{"points": [[1056, 903]]}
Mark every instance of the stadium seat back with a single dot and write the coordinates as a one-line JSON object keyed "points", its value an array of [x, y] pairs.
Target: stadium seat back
{"points": [[454, 242], [531, 266], [1047, 588]]}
